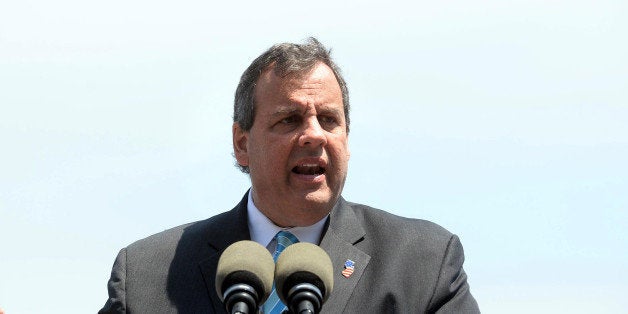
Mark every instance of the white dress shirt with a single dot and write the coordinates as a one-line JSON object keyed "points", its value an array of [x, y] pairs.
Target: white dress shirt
{"points": [[263, 230]]}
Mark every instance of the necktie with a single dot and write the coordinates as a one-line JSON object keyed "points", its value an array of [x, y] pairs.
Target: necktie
{"points": [[274, 305]]}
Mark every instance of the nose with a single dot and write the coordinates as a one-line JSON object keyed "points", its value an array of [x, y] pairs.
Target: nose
{"points": [[313, 134]]}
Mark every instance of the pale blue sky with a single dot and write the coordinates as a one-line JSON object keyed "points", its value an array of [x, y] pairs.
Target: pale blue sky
{"points": [[504, 121]]}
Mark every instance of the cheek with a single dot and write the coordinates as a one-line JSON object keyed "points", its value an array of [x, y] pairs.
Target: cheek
{"points": [[275, 156], [341, 146], [340, 155]]}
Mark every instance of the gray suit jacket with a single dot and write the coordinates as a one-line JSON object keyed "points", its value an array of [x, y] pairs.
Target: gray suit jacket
{"points": [[402, 265]]}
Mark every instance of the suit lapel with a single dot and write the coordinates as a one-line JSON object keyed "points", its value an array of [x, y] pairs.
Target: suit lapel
{"points": [[343, 232], [226, 229]]}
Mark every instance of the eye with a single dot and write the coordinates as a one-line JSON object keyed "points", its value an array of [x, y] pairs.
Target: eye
{"points": [[288, 120], [287, 123], [327, 120]]}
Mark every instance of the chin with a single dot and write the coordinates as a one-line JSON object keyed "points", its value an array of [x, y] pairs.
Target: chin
{"points": [[320, 198]]}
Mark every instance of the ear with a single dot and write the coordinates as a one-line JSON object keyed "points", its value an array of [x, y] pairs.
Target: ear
{"points": [[240, 145]]}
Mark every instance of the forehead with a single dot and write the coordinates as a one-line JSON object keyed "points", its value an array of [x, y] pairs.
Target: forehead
{"points": [[319, 81]]}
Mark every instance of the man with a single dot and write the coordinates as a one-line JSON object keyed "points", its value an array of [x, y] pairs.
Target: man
{"points": [[290, 133]]}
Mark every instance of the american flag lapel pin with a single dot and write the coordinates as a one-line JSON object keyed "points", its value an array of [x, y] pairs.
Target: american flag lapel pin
{"points": [[349, 268]]}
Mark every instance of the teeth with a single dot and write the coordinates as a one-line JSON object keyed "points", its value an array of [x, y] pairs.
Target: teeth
{"points": [[309, 169]]}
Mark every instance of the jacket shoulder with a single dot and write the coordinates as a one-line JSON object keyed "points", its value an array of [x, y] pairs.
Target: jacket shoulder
{"points": [[374, 219], [168, 239]]}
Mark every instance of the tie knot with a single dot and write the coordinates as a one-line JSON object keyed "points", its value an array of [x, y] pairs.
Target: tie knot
{"points": [[284, 239]]}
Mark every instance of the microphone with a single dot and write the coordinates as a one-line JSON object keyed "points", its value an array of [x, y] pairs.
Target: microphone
{"points": [[244, 277], [304, 277]]}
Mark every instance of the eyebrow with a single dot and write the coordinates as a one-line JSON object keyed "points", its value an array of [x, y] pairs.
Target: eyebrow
{"points": [[330, 109], [283, 111], [289, 110]]}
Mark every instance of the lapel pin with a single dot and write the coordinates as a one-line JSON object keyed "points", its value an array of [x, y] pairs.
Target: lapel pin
{"points": [[349, 268]]}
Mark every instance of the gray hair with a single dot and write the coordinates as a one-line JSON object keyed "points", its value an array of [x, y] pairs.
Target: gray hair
{"points": [[287, 58]]}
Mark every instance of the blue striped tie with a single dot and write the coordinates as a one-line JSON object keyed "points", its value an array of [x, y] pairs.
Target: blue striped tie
{"points": [[274, 305]]}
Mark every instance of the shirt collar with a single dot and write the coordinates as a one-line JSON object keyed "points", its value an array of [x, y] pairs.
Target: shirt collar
{"points": [[263, 230]]}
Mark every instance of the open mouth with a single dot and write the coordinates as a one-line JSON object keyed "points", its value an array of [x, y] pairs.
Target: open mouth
{"points": [[309, 169]]}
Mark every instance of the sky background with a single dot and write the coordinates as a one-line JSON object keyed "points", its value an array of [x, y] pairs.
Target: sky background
{"points": [[504, 121]]}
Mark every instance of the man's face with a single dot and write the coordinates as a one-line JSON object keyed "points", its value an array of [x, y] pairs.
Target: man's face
{"points": [[297, 149]]}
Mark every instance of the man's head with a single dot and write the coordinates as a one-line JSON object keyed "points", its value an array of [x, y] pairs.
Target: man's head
{"points": [[290, 132], [286, 59]]}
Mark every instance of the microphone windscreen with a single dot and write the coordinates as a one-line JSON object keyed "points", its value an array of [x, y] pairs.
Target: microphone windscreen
{"points": [[246, 262], [303, 263]]}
